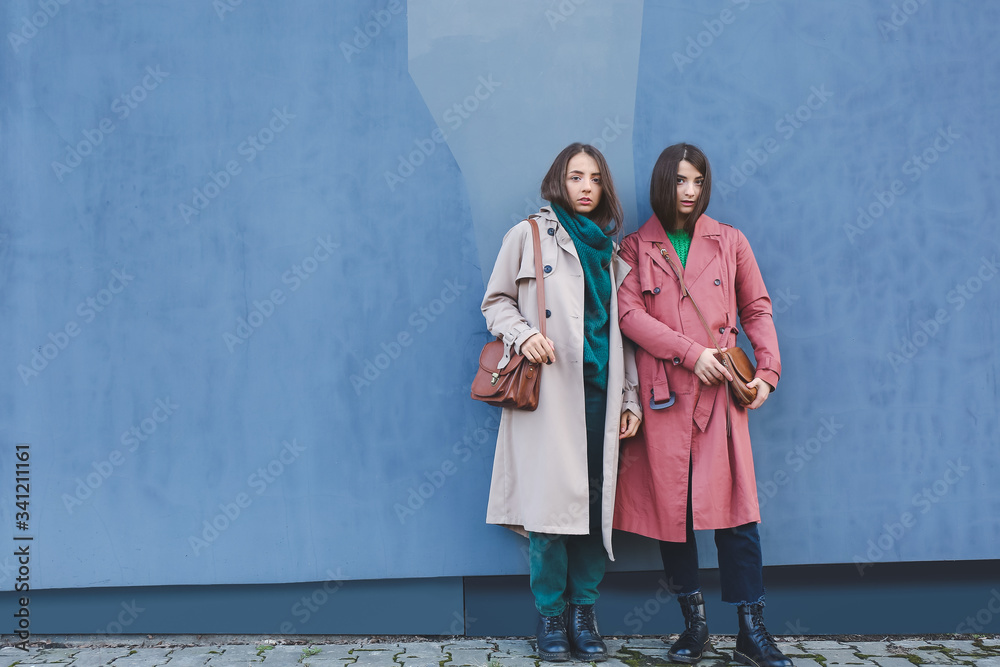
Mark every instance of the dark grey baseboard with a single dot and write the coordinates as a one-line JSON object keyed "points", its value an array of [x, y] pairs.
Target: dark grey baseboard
{"points": [[891, 598]]}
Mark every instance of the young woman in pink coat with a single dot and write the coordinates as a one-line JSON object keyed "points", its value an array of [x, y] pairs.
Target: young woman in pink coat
{"points": [[691, 467]]}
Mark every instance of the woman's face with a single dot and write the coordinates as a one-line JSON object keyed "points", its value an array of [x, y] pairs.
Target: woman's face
{"points": [[689, 182], [583, 183]]}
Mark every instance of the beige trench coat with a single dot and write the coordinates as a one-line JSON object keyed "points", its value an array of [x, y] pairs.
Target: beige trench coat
{"points": [[540, 479]]}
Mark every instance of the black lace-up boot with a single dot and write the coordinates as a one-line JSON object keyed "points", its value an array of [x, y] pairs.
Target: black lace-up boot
{"points": [[553, 644], [584, 640], [754, 644], [694, 640]]}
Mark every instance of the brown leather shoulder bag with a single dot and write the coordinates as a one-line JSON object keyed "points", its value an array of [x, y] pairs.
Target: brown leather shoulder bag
{"points": [[506, 379]]}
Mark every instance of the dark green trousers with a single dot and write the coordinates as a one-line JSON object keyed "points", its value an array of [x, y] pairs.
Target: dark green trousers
{"points": [[569, 568]]}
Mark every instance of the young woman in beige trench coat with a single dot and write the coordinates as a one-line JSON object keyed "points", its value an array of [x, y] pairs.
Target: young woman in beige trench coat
{"points": [[555, 469], [692, 467]]}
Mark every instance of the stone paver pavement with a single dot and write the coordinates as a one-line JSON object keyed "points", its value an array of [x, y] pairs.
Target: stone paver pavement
{"points": [[240, 651]]}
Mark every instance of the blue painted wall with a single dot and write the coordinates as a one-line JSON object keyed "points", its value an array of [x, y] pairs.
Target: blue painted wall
{"points": [[856, 146], [243, 248]]}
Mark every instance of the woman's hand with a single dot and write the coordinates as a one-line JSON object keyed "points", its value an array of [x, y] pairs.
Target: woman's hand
{"points": [[538, 349], [710, 370], [763, 391], [630, 425]]}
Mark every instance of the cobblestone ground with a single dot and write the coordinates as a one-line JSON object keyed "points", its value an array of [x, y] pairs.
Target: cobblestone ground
{"points": [[981, 651]]}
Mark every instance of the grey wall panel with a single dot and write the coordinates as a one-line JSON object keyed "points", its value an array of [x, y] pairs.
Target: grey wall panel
{"points": [[329, 607], [899, 598]]}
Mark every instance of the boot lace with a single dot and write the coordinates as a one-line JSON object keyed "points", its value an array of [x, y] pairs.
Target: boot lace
{"points": [[687, 609], [586, 617], [757, 613], [554, 623]]}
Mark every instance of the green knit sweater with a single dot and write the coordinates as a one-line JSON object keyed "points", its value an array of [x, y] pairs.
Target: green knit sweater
{"points": [[681, 241]]}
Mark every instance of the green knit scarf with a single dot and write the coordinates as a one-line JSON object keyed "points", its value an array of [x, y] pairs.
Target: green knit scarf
{"points": [[594, 248]]}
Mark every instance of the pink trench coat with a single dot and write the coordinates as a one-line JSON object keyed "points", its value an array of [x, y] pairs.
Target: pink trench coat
{"points": [[540, 479], [723, 278]]}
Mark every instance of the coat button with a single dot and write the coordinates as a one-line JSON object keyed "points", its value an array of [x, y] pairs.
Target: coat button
{"points": [[677, 360], [656, 290], [718, 282], [548, 313], [722, 329], [547, 269], [552, 231]]}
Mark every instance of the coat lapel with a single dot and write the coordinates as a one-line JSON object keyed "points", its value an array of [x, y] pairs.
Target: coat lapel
{"points": [[561, 236], [704, 248]]}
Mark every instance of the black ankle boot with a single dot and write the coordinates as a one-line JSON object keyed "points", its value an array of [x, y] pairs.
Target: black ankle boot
{"points": [[584, 640], [694, 640], [754, 644], [553, 644]]}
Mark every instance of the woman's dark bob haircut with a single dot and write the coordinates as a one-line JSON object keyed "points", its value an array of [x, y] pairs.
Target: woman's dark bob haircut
{"points": [[608, 213], [663, 186]]}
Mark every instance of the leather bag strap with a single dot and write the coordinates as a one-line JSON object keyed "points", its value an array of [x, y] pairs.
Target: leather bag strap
{"points": [[685, 292], [536, 242], [708, 330]]}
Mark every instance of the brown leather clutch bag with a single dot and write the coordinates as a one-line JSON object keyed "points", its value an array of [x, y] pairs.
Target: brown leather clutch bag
{"points": [[736, 362]]}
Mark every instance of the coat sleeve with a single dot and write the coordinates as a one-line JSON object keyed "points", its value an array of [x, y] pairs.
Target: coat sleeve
{"points": [[630, 390], [643, 329], [754, 306], [503, 318]]}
